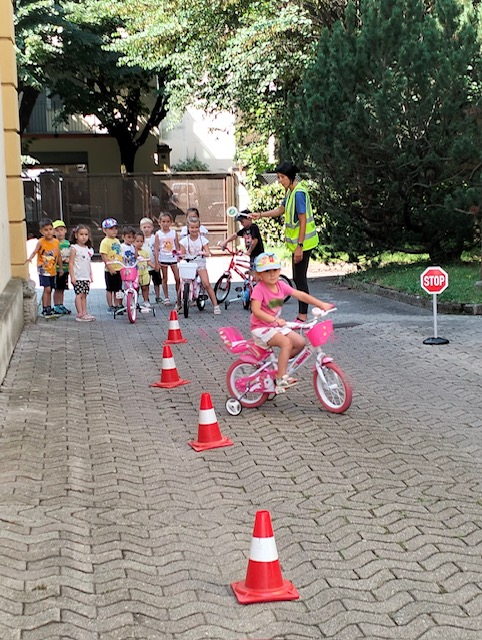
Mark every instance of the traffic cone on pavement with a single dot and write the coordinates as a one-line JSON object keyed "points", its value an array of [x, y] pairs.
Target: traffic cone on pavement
{"points": [[169, 375], [263, 582], [174, 335], [209, 434]]}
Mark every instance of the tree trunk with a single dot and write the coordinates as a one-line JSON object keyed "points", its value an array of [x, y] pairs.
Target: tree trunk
{"points": [[27, 103]]}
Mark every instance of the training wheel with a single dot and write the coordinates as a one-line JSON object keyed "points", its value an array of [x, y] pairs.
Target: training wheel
{"points": [[233, 406]]}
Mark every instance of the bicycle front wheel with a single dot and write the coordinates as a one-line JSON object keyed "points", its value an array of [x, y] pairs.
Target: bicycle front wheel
{"points": [[132, 306], [288, 282], [240, 369], [222, 288], [186, 294], [334, 392]]}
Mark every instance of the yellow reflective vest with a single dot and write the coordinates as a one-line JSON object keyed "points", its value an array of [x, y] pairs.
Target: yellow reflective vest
{"points": [[292, 228]]}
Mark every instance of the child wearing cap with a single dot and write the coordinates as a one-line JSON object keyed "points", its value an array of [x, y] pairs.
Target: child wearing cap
{"points": [[267, 326], [61, 281], [110, 251], [250, 233]]}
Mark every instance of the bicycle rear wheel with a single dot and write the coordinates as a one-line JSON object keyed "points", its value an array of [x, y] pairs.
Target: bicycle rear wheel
{"points": [[132, 306], [222, 288], [240, 369], [201, 298], [186, 294]]}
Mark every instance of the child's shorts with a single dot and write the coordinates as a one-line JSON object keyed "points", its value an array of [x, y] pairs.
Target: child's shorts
{"points": [[144, 278], [263, 335], [62, 282], [81, 286], [113, 282], [47, 281], [156, 277]]}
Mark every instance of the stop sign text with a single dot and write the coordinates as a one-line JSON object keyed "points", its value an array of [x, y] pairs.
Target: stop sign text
{"points": [[434, 280]]}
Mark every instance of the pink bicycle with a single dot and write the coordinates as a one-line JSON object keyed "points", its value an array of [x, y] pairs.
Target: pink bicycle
{"points": [[250, 379], [130, 293]]}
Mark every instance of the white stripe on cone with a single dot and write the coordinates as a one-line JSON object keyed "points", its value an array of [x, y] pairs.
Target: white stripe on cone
{"points": [[263, 550], [173, 324], [207, 416], [168, 364]]}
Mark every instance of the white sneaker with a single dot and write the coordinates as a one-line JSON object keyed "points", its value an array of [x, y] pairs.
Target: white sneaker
{"points": [[146, 305], [284, 383], [217, 310]]}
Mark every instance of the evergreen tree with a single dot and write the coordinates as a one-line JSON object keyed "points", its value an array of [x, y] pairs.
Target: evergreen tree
{"points": [[388, 121]]}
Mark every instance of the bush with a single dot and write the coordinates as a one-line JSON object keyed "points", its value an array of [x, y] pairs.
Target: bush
{"points": [[190, 164]]}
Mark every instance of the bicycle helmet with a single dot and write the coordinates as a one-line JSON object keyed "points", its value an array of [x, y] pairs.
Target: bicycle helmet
{"points": [[109, 223], [266, 262]]}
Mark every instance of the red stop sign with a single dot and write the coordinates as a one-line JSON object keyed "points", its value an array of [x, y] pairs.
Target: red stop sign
{"points": [[434, 280]]}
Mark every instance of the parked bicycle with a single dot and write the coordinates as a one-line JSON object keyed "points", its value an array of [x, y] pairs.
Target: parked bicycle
{"points": [[192, 289], [130, 293], [239, 265], [251, 378]]}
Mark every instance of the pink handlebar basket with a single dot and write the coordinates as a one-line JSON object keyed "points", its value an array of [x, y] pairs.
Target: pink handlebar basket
{"points": [[129, 274], [320, 333]]}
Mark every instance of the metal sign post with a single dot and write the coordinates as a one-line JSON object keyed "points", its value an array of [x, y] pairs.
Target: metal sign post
{"points": [[434, 280]]}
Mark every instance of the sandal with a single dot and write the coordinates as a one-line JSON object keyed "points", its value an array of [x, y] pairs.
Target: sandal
{"points": [[167, 302]]}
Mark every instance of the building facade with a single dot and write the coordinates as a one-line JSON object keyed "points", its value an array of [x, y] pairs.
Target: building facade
{"points": [[13, 271]]}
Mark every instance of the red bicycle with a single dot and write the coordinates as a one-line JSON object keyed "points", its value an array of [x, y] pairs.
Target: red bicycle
{"points": [[239, 265]]}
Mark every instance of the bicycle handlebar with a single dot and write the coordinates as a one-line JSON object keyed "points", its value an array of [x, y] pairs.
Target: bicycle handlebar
{"points": [[230, 251], [317, 312], [127, 265]]}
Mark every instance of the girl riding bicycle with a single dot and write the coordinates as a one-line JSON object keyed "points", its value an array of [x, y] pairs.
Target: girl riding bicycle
{"points": [[267, 327], [195, 247]]}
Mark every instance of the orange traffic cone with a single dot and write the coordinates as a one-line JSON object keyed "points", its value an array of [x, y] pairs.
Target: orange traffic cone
{"points": [[169, 375], [209, 434], [174, 335], [263, 582]]}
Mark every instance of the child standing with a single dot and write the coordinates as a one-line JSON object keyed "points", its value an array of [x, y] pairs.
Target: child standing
{"points": [[48, 255], [196, 247], [143, 268], [110, 250], [80, 269], [147, 228], [128, 250], [61, 281], [267, 326], [166, 248], [193, 212], [251, 235]]}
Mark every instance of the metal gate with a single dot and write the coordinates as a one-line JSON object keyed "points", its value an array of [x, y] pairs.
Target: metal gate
{"points": [[88, 199]]}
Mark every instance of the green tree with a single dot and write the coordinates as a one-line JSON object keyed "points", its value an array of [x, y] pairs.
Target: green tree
{"points": [[387, 120], [70, 54], [243, 56], [39, 25]]}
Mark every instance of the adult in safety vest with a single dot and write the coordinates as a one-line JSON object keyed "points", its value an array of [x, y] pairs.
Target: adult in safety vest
{"points": [[301, 236]]}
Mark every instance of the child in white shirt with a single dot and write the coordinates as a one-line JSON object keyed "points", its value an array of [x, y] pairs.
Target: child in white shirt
{"points": [[195, 247], [166, 248]]}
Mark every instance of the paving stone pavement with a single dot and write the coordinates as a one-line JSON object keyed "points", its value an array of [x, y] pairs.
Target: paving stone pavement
{"points": [[112, 527]]}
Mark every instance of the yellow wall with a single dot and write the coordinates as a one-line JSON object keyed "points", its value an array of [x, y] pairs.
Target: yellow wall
{"points": [[12, 215], [103, 151]]}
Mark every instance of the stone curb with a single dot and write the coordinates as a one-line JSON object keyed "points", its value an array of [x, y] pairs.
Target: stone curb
{"points": [[417, 301]]}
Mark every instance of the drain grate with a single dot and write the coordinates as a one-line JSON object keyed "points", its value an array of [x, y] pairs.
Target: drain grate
{"points": [[345, 325]]}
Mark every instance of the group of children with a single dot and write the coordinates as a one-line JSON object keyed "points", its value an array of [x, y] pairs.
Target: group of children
{"points": [[59, 258], [152, 253], [155, 253]]}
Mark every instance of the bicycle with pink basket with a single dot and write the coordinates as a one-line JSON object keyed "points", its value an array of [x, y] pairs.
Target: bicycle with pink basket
{"points": [[130, 293], [250, 379]]}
